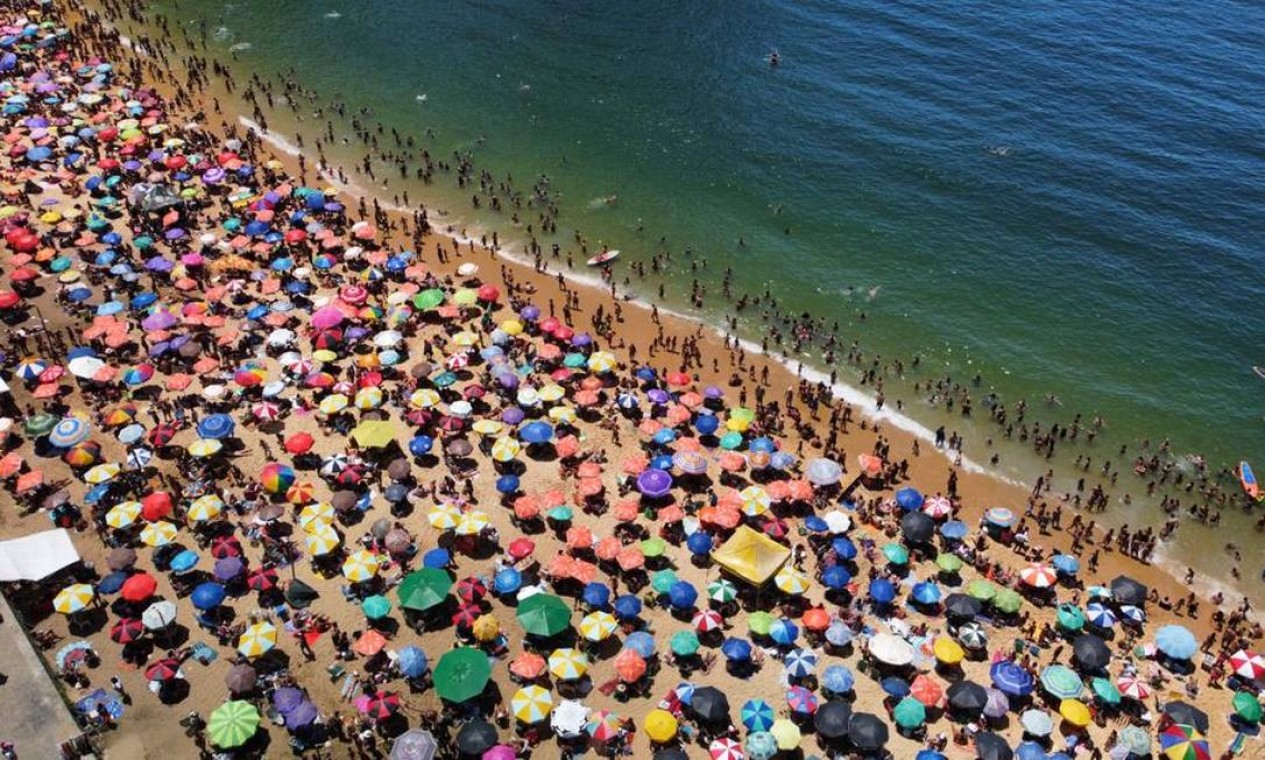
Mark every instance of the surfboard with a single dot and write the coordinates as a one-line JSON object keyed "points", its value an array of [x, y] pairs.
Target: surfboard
{"points": [[603, 258], [1248, 479]]}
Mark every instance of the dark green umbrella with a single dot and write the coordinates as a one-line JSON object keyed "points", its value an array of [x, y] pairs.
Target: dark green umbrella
{"points": [[40, 424], [1246, 707], [544, 615], [423, 589], [461, 674]]}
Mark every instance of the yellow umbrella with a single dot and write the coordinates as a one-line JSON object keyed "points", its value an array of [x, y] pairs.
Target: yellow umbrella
{"points": [[551, 392], [374, 434], [369, 398], [563, 414], [602, 361], [786, 734], [487, 427], [465, 339], [948, 651], [738, 424], [123, 514], [316, 512], [205, 447], [1075, 712], [101, 473], [73, 598], [512, 327], [333, 404], [324, 355], [158, 534], [424, 398], [257, 639], [661, 726], [321, 539], [443, 516], [755, 501], [472, 523], [532, 704], [791, 581], [505, 449], [205, 508], [486, 627], [568, 664], [598, 626], [361, 566]]}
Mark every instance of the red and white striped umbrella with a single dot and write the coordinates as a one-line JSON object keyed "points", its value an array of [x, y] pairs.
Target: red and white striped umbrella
{"points": [[457, 361], [707, 620], [1039, 575], [726, 749], [1132, 687], [1248, 664], [937, 507], [266, 410]]}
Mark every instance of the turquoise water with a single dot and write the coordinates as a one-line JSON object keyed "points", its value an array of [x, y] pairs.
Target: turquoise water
{"points": [[1063, 198]]}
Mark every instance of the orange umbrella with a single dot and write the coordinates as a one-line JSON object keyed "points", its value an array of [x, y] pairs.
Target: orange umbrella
{"points": [[631, 558], [205, 364], [179, 382], [816, 619], [730, 499], [29, 480], [584, 572], [46, 390], [728, 518], [301, 493], [649, 427], [688, 444], [778, 490], [691, 399], [634, 465], [10, 464], [370, 643], [926, 691], [567, 446], [552, 498], [732, 461], [676, 415], [526, 507], [627, 511], [629, 666], [528, 665], [589, 470], [585, 398], [608, 548], [579, 537], [560, 566], [870, 464], [671, 514], [801, 490], [590, 487]]}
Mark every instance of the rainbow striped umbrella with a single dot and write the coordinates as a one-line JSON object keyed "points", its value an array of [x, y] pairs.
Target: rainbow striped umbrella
{"points": [[1182, 742], [277, 477]]}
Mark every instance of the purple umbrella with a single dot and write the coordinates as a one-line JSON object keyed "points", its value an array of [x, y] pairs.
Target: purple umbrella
{"points": [[355, 333], [158, 349], [513, 415], [159, 320], [530, 313], [658, 395], [304, 714], [213, 176], [228, 568], [507, 380], [712, 391], [175, 233], [287, 698], [159, 264], [582, 339], [654, 483]]}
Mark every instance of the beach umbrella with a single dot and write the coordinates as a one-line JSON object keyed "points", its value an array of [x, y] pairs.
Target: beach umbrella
{"points": [[1184, 742], [166, 669], [232, 724], [1075, 712], [422, 589], [948, 651], [641, 642], [891, 650], [257, 639], [1176, 641], [1061, 682], [1037, 722], [216, 426], [783, 631], [710, 705], [73, 598], [123, 514], [909, 499], [1105, 690], [823, 472], [990, 746], [882, 591], [757, 715], [895, 554], [476, 737], [791, 581], [867, 732], [760, 745], [1126, 590], [786, 734], [916, 527], [204, 447], [1090, 652], [962, 607], [1030, 750], [158, 534], [682, 595], [1006, 600], [801, 700], [832, 719], [208, 595], [705, 621], [1131, 614], [603, 726], [360, 566], [967, 696], [376, 607], [736, 650], [598, 626], [909, 713], [568, 664], [660, 725], [1249, 665], [1039, 575], [800, 663], [1132, 687], [722, 590], [320, 539], [531, 704], [760, 623], [461, 674], [1069, 617], [1012, 679], [159, 615], [102, 473], [412, 661], [725, 748], [626, 607], [925, 593], [1182, 712], [205, 508], [127, 630], [630, 666], [569, 718], [1136, 740], [837, 679], [1001, 517], [544, 615], [69, 431], [972, 635], [414, 744]]}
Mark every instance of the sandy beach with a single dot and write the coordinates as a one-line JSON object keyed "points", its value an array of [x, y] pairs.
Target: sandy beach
{"points": [[611, 444]]}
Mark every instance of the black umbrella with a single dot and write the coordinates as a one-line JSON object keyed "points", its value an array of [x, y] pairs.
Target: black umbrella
{"points": [[990, 746], [1090, 652], [460, 447], [397, 493], [300, 595], [962, 607], [1189, 715], [917, 527], [832, 719], [710, 705], [476, 737], [671, 753], [1125, 590], [967, 696], [867, 732]]}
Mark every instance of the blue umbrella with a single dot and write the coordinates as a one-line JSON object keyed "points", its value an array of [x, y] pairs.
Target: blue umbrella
{"points": [[844, 548], [507, 484], [421, 445], [640, 642], [437, 558], [184, 561], [925, 593], [597, 595], [699, 543], [1011, 679], [627, 607], [646, 374], [783, 631], [815, 524], [908, 499], [736, 650], [96, 493], [664, 436], [1100, 615], [536, 432], [1065, 564], [662, 462], [835, 577], [954, 529], [507, 581], [838, 679], [757, 715], [682, 595], [1030, 751], [882, 591], [207, 595], [929, 754], [707, 424], [216, 426], [896, 687], [1176, 641], [763, 444], [111, 583], [800, 663], [412, 661]]}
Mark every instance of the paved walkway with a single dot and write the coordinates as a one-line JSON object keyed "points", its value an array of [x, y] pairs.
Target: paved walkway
{"points": [[32, 714]]}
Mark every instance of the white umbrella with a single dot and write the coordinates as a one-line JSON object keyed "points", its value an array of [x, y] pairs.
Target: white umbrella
{"points": [[388, 338], [281, 337], [569, 718], [891, 650], [837, 522], [85, 367], [823, 472], [159, 615]]}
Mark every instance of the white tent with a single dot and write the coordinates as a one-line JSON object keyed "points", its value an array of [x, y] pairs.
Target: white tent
{"points": [[37, 556]]}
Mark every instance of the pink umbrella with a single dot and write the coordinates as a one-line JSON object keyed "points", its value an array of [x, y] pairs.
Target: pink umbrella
{"points": [[500, 752], [327, 317]]}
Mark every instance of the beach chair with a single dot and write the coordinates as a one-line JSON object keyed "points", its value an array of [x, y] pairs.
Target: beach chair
{"points": [[336, 671]]}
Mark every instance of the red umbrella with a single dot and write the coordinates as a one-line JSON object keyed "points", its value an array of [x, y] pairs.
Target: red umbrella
{"points": [[127, 630], [471, 589], [466, 615], [381, 705], [299, 443], [262, 579], [163, 670], [162, 435], [521, 547], [156, 506], [226, 546], [138, 588]]}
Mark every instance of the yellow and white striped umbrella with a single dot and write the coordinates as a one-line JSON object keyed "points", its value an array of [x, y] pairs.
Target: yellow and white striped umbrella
{"points": [[333, 404], [532, 704], [551, 392], [73, 598], [321, 539], [205, 447], [123, 514], [361, 566], [602, 361], [755, 501], [471, 523], [258, 639], [205, 508], [465, 338], [158, 533], [791, 581], [424, 398], [369, 398], [562, 414], [598, 626], [314, 513], [505, 449], [102, 473], [488, 427], [443, 516], [568, 664]]}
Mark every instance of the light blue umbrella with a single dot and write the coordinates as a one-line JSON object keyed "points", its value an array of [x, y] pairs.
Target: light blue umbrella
{"points": [[1100, 615], [800, 663], [1176, 641], [761, 745], [640, 642], [838, 679], [412, 661], [757, 715], [783, 631]]}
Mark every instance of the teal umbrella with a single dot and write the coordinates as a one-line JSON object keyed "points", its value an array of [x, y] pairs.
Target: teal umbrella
{"points": [[376, 607], [909, 713], [685, 643], [896, 554], [663, 580], [1061, 682], [1105, 690], [1070, 617], [731, 441]]}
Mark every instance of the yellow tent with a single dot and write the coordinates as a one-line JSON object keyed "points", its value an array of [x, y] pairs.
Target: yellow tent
{"points": [[750, 555], [374, 434]]}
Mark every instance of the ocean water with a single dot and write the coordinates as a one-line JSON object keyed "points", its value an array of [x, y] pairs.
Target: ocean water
{"points": [[1061, 198]]}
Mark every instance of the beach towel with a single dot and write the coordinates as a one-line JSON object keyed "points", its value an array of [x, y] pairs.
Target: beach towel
{"points": [[203, 653]]}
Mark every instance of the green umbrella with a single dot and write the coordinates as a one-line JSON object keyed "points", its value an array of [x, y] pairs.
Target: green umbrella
{"points": [[909, 713], [760, 622], [1106, 691], [685, 643], [1136, 740], [461, 674], [233, 724], [1246, 707], [981, 589], [560, 514], [428, 299], [544, 615], [722, 591], [1070, 617], [730, 441], [423, 589], [1007, 600], [1061, 682], [949, 563], [662, 581], [40, 424], [654, 547], [896, 554], [376, 607]]}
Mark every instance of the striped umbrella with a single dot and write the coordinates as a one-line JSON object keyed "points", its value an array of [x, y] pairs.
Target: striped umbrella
{"points": [[505, 449], [531, 704], [755, 501], [205, 447], [333, 403], [1039, 575], [232, 724], [1061, 682], [937, 507], [368, 398], [73, 598], [1100, 615], [123, 514], [258, 639], [722, 591], [603, 726], [568, 664], [800, 663], [471, 523], [316, 512], [791, 581], [360, 566], [321, 539], [69, 431], [443, 516], [424, 398], [205, 508], [158, 534], [1133, 687], [139, 458], [757, 715], [1182, 742], [102, 473], [725, 748], [707, 620], [598, 626], [1250, 665]]}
